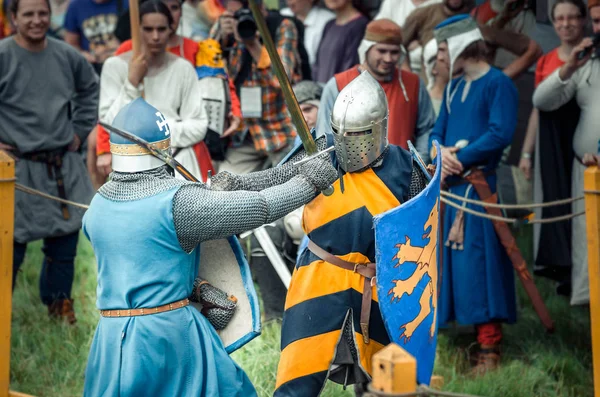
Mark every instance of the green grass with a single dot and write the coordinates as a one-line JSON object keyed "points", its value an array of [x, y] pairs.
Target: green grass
{"points": [[48, 358]]}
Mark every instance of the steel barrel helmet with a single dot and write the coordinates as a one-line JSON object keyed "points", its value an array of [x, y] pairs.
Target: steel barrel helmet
{"points": [[145, 121], [359, 122]]}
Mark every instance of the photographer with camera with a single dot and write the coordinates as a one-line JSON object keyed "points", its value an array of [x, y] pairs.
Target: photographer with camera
{"points": [[268, 132], [578, 78]]}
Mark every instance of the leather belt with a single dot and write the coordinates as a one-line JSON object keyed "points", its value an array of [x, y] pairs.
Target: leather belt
{"points": [[144, 312], [367, 270], [456, 181], [54, 161]]}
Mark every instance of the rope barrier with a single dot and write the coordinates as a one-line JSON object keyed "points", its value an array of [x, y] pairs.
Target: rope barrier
{"points": [[473, 212], [35, 192], [510, 220], [512, 206], [422, 391], [557, 218]]}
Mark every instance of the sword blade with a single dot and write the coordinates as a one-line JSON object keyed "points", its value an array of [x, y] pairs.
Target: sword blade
{"points": [[286, 87], [290, 98], [160, 154], [319, 154]]}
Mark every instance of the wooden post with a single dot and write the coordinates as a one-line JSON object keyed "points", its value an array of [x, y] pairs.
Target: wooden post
{"points": [[7, 225], [394, 370], [592, 215], [437, 382], [134, 21]]}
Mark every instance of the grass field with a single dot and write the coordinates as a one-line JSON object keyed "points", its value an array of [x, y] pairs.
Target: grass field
{"points": [[48, 358]]}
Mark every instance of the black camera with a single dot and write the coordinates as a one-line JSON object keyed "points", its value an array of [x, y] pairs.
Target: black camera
{"points": [[595, 47], [246, 24], [516, 5]]}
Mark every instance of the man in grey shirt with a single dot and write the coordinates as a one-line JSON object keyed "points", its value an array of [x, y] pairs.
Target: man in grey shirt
{"points": [[48, 106]]}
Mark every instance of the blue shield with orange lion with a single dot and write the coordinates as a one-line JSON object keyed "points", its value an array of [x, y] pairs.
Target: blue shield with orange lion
{"points": [[407, 256]]}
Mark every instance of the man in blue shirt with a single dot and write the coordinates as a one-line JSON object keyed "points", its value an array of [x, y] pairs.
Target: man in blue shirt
{"points": [[476, 122], [89, 27]]}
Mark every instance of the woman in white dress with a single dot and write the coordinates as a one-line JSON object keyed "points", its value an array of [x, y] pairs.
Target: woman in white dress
{"points": [[166, 81]]}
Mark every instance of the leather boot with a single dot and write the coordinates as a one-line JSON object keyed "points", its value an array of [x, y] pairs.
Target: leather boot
{"points": [[62, 309], [488, 360]]}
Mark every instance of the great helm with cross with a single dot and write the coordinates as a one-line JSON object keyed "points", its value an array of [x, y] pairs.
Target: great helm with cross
{"points": [[359, 122], [145, 121]]}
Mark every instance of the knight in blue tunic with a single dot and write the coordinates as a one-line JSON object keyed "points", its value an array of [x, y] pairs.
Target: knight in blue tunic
{"points": [[145, 227], [476, 122]]}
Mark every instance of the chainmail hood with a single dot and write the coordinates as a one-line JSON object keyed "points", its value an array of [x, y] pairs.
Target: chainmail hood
{"points": [[139, 185]]}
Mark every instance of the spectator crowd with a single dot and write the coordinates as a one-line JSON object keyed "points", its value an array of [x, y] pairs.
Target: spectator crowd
{"points": [[531, 80]]}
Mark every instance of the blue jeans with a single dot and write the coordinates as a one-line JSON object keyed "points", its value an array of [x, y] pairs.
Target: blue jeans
{"points": [[58, 267]]}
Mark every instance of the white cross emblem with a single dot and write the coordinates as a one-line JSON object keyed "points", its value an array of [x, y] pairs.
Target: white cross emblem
{"points": [[162, 123]]}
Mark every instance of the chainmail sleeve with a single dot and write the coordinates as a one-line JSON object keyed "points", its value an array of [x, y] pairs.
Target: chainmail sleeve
{"points": [[254, 181], [260, 180], [201, 214]]}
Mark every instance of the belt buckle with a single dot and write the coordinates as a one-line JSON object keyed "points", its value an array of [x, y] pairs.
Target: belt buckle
{"points": [[365, 332]]}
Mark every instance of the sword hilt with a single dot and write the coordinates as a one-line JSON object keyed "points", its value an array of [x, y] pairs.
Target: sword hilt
{"points": [[208, 178]]}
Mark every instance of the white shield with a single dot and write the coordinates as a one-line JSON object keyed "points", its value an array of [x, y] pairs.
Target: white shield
{"points": [[215, 93], [223, 264]]}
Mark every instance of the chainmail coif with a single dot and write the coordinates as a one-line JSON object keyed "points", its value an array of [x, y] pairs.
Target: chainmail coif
{"points": [[136, 186], [418, 181]]}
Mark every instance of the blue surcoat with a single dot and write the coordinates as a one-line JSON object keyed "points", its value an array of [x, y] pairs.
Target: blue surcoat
{"points": [[142, 265]]}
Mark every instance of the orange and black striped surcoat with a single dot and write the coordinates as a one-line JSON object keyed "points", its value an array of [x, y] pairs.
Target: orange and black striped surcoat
{"points": [[321, 294]]}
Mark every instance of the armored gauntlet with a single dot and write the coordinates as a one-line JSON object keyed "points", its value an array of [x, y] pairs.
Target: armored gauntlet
{"points": [[217, 306], [319, 172]]}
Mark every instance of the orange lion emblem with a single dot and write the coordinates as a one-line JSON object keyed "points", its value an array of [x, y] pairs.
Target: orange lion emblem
{"points": [[426, 260], [209, 54]]}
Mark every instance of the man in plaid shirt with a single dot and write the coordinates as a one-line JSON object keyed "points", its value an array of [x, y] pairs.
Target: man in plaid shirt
{"points": [[267, 133]]}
